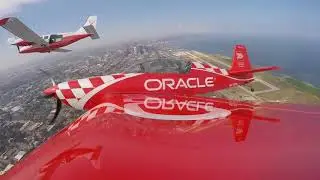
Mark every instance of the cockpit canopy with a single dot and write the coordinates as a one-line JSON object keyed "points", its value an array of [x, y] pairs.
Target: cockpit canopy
{"points": [[160, 65], [52, 38]]}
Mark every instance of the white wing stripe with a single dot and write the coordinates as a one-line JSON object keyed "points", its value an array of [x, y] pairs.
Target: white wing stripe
{"points": [[227, 76], [85, 83], [64, 85], [224, 72], [59, 94], [198, 65], [131, 74], [73, 102], [92, 114], [78, 92], [106, 79], [213, 66]]}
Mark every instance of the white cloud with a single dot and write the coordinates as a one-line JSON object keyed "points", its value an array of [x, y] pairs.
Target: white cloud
{"points": [[12, 6]]}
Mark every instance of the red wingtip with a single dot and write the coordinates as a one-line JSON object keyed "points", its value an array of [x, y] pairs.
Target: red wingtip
{"points": [[3, 21], [275, 68]]}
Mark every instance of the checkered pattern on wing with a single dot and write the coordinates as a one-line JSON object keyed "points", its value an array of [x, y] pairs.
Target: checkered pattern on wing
{"points": [[209, 67], [95, 112], [99, 111], [72, 91]]}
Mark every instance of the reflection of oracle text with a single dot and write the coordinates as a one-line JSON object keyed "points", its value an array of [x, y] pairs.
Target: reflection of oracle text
{"points": [[163, 104]]}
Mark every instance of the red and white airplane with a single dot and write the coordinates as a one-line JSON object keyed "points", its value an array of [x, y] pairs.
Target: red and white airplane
{"points": [[30, 42], [181, 77]]}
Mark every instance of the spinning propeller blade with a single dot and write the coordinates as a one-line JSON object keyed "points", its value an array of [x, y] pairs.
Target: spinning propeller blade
{"points": [[58, 109], [46, 73], [49, 93]]}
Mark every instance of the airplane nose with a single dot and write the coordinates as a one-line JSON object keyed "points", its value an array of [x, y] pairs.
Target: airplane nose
{"points": [[50, 91]]}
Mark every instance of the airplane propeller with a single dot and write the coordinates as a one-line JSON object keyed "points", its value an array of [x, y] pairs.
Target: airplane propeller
{"points": [[50, 93], [58, 109], [46, 73]]}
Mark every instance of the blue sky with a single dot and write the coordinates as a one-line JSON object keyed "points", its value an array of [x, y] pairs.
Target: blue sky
{"points": [[123, 19]]}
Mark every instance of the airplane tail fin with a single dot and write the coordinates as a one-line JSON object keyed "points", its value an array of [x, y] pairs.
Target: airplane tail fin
{"points": [[92, 20], [241, 65], [90, 27]]}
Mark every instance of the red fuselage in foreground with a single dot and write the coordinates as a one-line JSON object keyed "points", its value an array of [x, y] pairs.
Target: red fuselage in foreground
{"points": [[130, 137]]}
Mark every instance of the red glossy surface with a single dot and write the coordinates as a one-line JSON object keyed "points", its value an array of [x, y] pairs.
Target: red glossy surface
{"points": [[109, 142], [3, 21]]}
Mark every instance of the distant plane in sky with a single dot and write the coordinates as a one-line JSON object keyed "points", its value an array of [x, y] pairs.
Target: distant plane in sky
{"points": [[30, 42]]}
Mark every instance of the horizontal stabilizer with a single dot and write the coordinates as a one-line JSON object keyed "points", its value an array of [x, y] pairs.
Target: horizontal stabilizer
{"points": [[91, 30], [61, 50], [241, 72], [90, 27]]}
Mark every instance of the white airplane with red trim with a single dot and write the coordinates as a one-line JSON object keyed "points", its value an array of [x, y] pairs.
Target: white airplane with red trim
{"points": [[30, 42], [181, 77]]}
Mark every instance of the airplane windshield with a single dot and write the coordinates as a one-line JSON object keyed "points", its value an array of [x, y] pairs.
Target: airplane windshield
{"points": [[55, 38], [161, 66], [46, 38]]}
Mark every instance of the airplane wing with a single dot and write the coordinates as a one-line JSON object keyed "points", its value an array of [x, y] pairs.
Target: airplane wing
{"points": [[61, 50], [17, 28]]}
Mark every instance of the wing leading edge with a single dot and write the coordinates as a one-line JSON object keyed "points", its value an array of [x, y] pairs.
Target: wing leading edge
{"points": [[17, 28]]}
